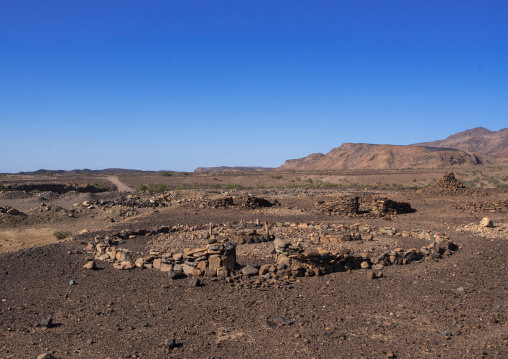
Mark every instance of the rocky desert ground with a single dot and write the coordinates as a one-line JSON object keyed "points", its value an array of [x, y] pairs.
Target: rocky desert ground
{"points": [[269, 264]]}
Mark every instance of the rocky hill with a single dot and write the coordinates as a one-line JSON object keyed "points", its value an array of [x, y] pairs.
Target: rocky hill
{"points": [[479, 140], [368, 156]]}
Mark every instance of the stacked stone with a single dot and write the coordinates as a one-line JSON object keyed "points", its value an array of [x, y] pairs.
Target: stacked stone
{"points": [[367, 205], [246, 201], [380, 206], [343, 205], [300, 263], [483, 206], [212, 260], [250, 236], [252, 202], [398, 256], [223, 202]]}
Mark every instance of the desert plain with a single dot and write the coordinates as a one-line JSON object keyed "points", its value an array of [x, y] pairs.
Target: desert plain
{"points": [[264, 264]]}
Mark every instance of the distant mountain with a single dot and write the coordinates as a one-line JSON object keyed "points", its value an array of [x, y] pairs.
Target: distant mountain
{"points": [[83, 171], [233, 169], [479, 140], [368, 156]]}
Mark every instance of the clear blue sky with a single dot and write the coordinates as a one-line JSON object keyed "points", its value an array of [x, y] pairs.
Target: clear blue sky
{"points": [[177, 84]]}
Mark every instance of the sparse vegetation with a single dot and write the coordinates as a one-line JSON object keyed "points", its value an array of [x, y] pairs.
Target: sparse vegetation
{"points": [[279, 177], [3, 187], [215, 185], [152, 187], [100, 186], [62, 234], [48, 174], [166, 173], [182, 186], [235, 186]]}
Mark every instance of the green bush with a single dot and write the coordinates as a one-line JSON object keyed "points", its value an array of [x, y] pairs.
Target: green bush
{"points": [[62, 234], [3, 187], [235, 186], [100, 186], [166, 173], [277, 177], [152, 187], [215, 185], [182, 186]]}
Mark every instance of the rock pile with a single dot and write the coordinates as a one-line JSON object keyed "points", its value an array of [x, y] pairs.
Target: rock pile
{"points": [[500, 206], [294, 261], [212, 260], [10, 210], [372, 206], [126, 201], [244, 201], [447, 185]]}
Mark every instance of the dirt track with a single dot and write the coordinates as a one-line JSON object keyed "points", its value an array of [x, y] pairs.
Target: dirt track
{"points": [[122, 187]]}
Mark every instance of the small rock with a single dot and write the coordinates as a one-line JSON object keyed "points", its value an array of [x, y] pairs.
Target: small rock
{"points": [[281, 243], [170, 343], [194, 282], [72, 282], [486, 222], [47, 322], [282, 320], [46, 356], [90, 265], [446, 333], [249, 270], [371, 275]]}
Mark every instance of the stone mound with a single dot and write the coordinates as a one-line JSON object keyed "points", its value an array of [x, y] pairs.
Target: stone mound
{"points": [[447, 185], [246, 202], [448, 182]]}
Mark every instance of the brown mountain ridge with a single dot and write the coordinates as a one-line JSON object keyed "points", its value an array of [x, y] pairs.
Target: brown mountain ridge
{"points": [[371, 156], [480, 140]]}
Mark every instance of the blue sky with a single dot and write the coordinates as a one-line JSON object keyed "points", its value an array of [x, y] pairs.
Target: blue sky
{"points": [[179, 84]]}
